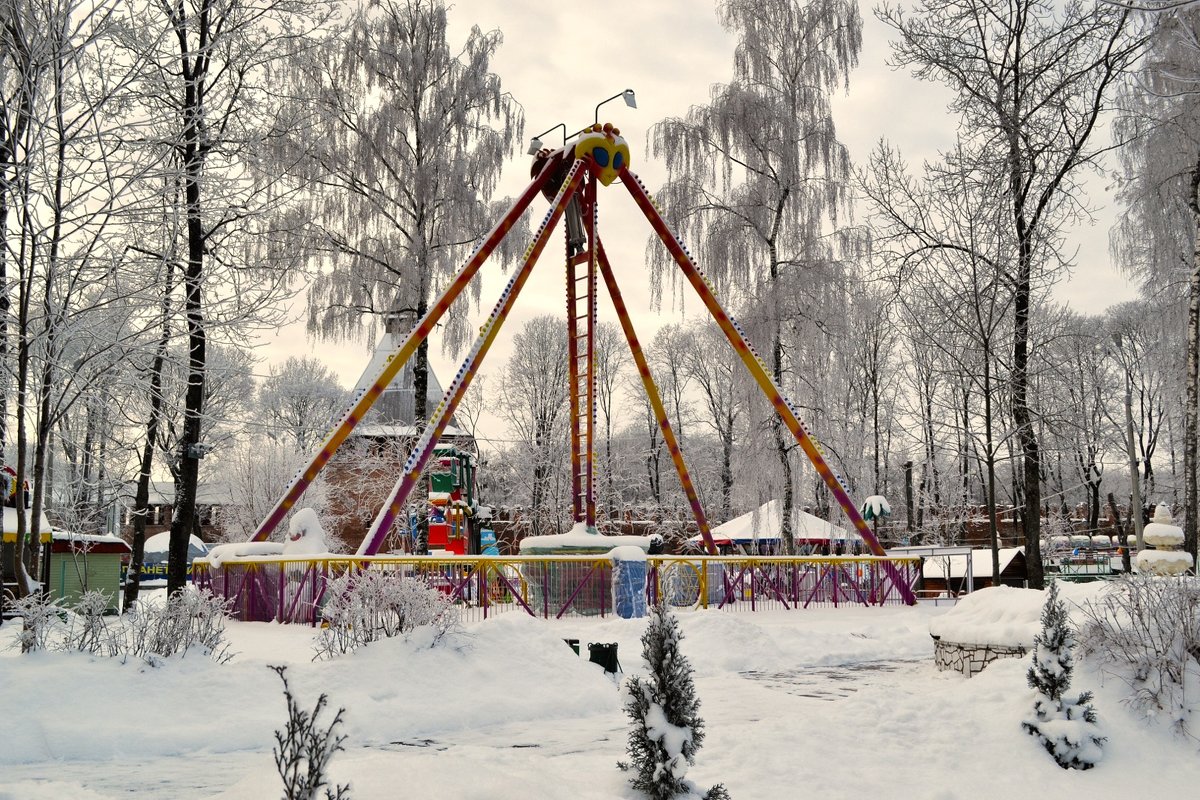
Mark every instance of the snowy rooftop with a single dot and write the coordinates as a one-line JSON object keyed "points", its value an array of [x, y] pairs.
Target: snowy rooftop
{"points": [[955, 566], [579, 538]]}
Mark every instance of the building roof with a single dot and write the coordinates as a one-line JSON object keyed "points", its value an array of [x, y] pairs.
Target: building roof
{"points": [[955, 566], [397, 404]]}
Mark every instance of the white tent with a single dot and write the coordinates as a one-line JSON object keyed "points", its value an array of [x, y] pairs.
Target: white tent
{"points": [[765, 523]]}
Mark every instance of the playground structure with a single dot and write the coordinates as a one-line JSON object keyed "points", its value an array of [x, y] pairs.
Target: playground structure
{"points": [[570, 177]]}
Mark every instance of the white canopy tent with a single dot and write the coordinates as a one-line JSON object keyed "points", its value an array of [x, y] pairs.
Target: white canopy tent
{"points": [[764, 525]]}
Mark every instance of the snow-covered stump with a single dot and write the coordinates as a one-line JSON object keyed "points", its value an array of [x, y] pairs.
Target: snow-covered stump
{"points": [[970, 659]]}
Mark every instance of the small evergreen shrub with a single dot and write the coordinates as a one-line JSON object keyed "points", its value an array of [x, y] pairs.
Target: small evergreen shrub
{"points": [[666, 729], [1066, 728], [305, 746]]}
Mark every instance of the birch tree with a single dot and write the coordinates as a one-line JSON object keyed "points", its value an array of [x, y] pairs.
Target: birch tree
{"points": [[1158, 237], [1031, 80], [757, 181], [404, 139]]}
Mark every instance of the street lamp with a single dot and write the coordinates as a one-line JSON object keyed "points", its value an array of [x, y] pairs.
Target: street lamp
{"points": [[535, 144], [629, 97]]}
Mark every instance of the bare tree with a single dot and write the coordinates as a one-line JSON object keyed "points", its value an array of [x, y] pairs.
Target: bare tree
{"points": [[533, 400], [1030, 82], [210, 102], [1158, 238], [301, 399], [714, 368]]}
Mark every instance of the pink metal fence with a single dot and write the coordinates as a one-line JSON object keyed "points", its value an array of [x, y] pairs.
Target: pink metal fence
{"points": [[293, 590]]}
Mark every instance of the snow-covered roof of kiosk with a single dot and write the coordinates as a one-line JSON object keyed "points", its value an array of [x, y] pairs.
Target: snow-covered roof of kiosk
{"points": [[68, 541], [766, 522], [10, 521], [955, 566], [580, 540]]}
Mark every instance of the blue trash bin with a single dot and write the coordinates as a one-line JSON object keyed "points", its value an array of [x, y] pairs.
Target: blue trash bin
{"points": [[629, 582]]}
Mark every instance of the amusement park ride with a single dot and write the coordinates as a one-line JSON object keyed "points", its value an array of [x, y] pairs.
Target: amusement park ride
{"points": [[570, 177]]}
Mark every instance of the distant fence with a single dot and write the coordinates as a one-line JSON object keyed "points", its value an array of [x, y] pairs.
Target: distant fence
{"points": [[264, 588]]}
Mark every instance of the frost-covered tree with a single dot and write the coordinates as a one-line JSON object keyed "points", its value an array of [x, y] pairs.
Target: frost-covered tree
{"points": [[405, 138], [1158, 238], [1066, 728], [210, 99], [713, 366], [666, 729], [301, 399], [757, 181], [533, 401]]}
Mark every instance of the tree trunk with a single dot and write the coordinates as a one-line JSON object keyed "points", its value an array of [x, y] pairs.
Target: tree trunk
{"points": [[184, 518], [1135, 503], [1122, 539], [1022, 416], [1191, 410], [421, 374], [141, 501]]}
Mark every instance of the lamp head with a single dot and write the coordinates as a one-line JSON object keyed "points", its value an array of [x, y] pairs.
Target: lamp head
{"points": [[630, 98], [535, 145]]}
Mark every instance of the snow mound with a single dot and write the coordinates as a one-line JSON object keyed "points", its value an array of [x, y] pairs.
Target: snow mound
{"points": [[997, 615], [305, 534], [221, 552]]}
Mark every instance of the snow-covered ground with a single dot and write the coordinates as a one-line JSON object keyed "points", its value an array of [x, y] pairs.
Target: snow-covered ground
{"points": [[831, 703]]}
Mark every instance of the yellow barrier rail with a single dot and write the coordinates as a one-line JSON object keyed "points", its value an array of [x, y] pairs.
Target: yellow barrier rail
{"points": [[293, 589]]}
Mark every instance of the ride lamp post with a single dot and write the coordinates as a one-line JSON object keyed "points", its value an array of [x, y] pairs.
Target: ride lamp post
{"points": [[628, 96], [535, 144]]}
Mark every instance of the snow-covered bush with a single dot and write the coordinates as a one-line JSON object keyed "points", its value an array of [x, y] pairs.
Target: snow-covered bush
{"points": [[664, 712], [304, 748], [86, 630], [367, 606], [1066, 728], [151, 631], [1147, 630], [41, 616], [190, 618]]}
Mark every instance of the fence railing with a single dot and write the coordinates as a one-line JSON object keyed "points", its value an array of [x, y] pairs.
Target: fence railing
{"points": [[269, 588]]}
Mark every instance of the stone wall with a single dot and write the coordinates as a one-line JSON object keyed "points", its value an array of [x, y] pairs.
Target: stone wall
{"points": [[970, 659]]}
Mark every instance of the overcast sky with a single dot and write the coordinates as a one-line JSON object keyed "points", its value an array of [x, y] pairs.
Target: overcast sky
{"points": [[558, 60]]}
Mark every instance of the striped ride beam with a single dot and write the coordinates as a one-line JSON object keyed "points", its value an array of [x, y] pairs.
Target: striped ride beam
{"points": [[733, 332], [660, 412]]}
